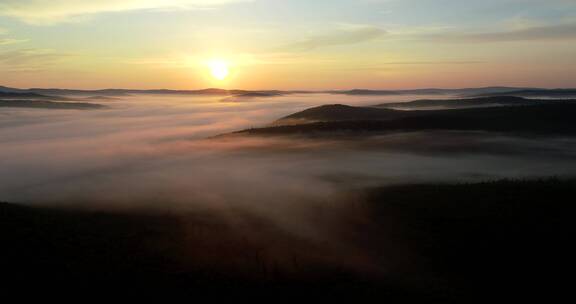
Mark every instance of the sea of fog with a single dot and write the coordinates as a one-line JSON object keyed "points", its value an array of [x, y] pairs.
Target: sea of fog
{"points": [[152, 151]]}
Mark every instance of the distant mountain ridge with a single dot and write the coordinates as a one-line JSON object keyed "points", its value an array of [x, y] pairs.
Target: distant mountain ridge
{"points": [[354, 92], [538, 93], [432, 91], [27, 95], [126, 92], [464, 102], [253, 95], [44, 104]]}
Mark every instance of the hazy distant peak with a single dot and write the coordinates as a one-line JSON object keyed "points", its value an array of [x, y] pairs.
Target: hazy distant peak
{"points": [[44, 104], [27, 95], [464, 102]]}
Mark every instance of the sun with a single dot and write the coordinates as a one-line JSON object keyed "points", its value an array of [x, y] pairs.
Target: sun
{"points": [[219, 69]]}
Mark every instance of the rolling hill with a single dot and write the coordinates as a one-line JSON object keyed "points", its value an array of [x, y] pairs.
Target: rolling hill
{"points": [[28, 96], [552, 93], [430, 91], [44, 104], [550, 119], [491, 101], [339, 112]]}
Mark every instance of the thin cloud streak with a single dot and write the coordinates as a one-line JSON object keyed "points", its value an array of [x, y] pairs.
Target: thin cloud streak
{"points": [[51, 12], [344, 36], [9, 41], [30, 59], [558, 32]]}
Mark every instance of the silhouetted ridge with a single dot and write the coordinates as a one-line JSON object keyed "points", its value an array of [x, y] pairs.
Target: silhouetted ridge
{"points": [[43, 104], [222, 92], [342, 112], [538, 93], [550, 119], [127, 92], [431, 91], [247, 96], [368, 92], [26, 95], [467, 102]]}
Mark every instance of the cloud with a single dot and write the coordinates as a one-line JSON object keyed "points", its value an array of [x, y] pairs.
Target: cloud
{"points": [[7, 41], [566, 31], [48, 12], [388, 65], [446, 62], [30, 59], [351, 34]]}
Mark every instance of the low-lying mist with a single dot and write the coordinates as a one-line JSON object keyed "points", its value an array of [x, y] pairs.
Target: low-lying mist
{"points": [[155, 152], [241, 203]]}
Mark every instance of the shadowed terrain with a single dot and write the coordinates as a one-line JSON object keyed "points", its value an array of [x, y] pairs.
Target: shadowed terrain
{"points": [[430, 91], [248, 96], [43, 104], [27, 95], [543, 119], [470, 102], [425, 242], [486, 91], [565, 93], [127, 92], [148, 205], [339, 112]]}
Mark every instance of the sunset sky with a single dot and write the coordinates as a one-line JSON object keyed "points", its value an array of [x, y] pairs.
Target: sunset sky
{"points": [[287, 44]]}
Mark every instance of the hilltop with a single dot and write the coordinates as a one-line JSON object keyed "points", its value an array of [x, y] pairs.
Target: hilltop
{"points": [[550, 119], [490, 101]]}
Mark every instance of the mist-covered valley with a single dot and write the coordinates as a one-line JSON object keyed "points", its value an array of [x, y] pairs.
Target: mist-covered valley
{"points": [[140, 147], [168, 178]]}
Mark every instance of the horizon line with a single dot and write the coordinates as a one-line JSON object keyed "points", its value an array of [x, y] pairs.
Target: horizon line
{"points": [[289, 90]]}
